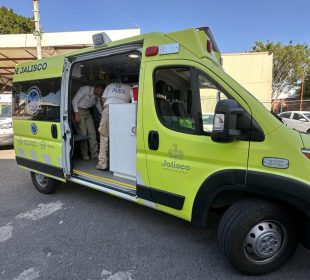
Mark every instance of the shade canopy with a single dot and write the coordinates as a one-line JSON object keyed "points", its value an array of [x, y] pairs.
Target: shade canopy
{"points": [[17, 48]]}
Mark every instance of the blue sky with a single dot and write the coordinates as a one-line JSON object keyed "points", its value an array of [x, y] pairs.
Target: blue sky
{"points": [[235, 24]]}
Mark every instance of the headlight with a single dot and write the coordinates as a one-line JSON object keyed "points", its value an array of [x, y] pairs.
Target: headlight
{"points": [[6, 125]]}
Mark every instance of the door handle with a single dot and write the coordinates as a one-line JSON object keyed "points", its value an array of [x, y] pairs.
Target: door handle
{"points": [[54, 131], [153, 140]]}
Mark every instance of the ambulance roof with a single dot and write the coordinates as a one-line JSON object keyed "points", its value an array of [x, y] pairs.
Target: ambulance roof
{"points": [[194, 40]]}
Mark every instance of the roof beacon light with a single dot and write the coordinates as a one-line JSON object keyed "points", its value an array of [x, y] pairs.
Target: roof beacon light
{"points": [[207, 30], [101, 39], [151, 51], [209, 46]]}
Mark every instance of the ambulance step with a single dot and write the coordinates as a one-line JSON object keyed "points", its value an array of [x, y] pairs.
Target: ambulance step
{"points": [[112, 184]]}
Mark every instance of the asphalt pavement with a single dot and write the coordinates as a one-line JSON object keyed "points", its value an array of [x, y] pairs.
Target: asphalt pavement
{"points": [[80, 233]]}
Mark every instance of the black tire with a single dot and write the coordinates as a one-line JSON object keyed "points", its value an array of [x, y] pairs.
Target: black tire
{"points": [[308, 131], [44, 184], [257, 236]]}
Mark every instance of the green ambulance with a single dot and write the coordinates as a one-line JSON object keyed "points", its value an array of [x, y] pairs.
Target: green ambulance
{"points": [[247, 164]]}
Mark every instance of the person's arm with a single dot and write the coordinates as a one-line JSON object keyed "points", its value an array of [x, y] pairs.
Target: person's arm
{"points": [[99, 105], [75, 101], [104, 96], [77, 118]]}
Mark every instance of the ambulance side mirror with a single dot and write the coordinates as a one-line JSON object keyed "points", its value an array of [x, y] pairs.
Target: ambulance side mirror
{"points": [[225, 121]]}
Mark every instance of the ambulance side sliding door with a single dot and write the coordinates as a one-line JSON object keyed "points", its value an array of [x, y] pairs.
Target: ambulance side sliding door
{"points": [[36, 123]]}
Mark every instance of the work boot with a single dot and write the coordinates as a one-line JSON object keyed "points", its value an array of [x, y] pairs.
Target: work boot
{"points": [[102, 167]]}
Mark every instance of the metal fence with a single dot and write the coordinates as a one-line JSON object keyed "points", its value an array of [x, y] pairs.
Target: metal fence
{"points": [[279, 106]]}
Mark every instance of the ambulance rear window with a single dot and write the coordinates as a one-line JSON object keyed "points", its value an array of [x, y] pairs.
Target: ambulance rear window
{"points": [[37, 100]]}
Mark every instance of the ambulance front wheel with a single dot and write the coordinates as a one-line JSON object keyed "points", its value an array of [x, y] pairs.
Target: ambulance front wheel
{"points": [[257, 236], [44, 184]]}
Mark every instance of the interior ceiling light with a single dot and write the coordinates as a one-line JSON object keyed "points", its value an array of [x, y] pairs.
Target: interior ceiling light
{"points": [[134, 55]]}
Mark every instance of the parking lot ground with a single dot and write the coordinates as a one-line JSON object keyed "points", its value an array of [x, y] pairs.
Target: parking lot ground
{"points": [[80, 233]]}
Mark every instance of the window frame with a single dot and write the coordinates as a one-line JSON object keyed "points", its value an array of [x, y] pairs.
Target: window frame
{"points": [[196, 102], [300, 116], [286, 113], [56, 80], [194, 80], [195, 86], [219, 88]]}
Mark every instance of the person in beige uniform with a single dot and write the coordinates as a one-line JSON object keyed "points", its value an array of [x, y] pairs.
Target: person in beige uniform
{"points": [[115, 93], [86, 98]]}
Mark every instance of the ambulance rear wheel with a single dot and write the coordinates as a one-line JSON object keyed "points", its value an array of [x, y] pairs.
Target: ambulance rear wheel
{"points": [[257, 236], [44, 184]]}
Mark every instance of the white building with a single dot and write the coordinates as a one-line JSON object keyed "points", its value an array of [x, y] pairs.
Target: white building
{"points": [[253, 71]]}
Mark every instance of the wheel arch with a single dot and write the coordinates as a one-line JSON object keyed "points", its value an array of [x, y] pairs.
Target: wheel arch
{"points": [[216, 183], [225, 187]]}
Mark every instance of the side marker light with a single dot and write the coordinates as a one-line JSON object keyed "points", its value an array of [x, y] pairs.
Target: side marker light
{"points": [[151, 51]]}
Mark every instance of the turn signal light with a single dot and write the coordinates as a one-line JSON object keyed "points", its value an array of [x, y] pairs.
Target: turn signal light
{"points": [[151, 51], [306, 152]]}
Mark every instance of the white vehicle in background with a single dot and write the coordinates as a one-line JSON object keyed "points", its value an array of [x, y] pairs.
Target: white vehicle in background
{"points": [[6, 129], [299, 120], [207, 120]]}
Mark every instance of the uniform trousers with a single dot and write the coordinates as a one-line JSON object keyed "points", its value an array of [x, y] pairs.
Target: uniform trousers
{"points": [[104, 138], [86, 127]]}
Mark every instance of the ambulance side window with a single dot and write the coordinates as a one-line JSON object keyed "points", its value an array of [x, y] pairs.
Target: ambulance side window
{"points": [[173, 93], [37, 100], [210, 94]]}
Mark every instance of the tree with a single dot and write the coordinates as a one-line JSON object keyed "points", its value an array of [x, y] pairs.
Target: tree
{"points": [[289, 62], [306, 87], [12, 23]]}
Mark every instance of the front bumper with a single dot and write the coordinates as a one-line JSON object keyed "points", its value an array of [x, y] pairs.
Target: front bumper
{"points": [[6, 139]]}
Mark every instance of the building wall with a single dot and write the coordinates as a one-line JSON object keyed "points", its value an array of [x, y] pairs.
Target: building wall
{"points": [[75, 38], [253, 71]]}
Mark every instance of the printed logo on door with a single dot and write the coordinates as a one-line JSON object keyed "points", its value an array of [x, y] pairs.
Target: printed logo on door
{"points": [[34, 129], [33, 101], [176, 162]]}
